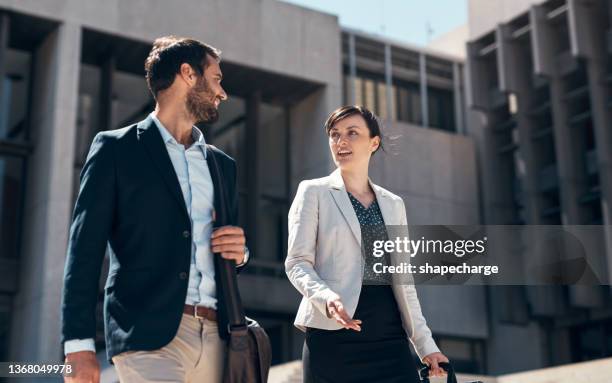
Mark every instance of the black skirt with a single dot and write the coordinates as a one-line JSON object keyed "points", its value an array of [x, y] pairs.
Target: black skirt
{"points": [[380, 352]]}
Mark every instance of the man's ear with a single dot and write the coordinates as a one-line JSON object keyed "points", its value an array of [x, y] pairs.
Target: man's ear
{"points": [[187, 73]]}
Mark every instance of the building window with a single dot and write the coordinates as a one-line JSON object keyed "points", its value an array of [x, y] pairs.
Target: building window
{"points": [[381, 94], [14, 149], [408, 101], [15, 85], [358, 89], [369, 95], [11, 193], [441, 104], [371, 92]]}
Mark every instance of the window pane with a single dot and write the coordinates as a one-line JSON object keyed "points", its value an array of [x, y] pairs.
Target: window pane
{"points": [[357, 86], [11, 185], [5, 322], [394, 103], [382, 100], [370, 97], [14, 88], [441, 108], [408, 103]]}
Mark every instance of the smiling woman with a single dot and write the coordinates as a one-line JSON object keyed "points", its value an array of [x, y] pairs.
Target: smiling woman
{"points": [[355, 322]]}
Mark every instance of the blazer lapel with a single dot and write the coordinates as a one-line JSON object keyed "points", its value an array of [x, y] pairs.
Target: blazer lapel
{"points": [[149, 135], [392, 217], [338, 192], [388, 211]]}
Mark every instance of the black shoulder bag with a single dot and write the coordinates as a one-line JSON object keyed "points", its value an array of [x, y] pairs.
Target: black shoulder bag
{"points": [[249, 353]]}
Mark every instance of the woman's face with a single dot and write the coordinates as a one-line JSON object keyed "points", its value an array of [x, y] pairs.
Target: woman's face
{"points": [[351, 144]]}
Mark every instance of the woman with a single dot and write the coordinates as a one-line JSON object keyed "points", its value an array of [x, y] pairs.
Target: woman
{"points": [[355, 321]]}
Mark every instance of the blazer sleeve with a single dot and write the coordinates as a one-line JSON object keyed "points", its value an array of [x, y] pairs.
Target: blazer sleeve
{"points": [[301, 248], [90, 230], [421, 337]]}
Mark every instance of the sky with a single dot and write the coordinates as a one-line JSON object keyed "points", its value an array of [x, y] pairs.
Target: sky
{"points": [[411, 21]]}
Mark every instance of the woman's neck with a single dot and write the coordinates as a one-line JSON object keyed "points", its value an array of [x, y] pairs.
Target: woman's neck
{"points": [[356, 182]]}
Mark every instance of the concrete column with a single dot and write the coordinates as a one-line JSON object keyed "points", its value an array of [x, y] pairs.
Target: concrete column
{"points": [[423, 83], [477, 87], [35, 332], [288, 171], [458, 96], [588, 31], [253, 144], [4, 36], [389, 82], [352, 69], [572, 181], [515, 78]]}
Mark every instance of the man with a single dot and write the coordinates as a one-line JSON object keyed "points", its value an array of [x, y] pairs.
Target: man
{"points": [[150, 190]]}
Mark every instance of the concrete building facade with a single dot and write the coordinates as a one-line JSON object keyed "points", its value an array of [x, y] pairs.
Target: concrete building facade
{"points": [[539, 94]]}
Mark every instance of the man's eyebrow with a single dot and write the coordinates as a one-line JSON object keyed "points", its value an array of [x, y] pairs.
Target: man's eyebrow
{"points": [[219, 75]]}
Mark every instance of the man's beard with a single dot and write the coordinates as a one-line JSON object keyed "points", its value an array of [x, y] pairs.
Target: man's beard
{"points": [[201, 102]]}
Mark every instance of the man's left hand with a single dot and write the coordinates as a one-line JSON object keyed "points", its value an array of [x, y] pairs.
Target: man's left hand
{"points": [[229, 241], [432, 361]]}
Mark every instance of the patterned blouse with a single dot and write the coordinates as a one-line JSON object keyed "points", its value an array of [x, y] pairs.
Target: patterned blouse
{"points": [[372, 229]]}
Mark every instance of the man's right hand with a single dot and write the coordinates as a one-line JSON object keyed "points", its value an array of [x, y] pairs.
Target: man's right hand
{"points": [[85, 367]]}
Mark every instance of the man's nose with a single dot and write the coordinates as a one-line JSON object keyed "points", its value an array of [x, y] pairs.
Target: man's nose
{"points": [[223, 95]]}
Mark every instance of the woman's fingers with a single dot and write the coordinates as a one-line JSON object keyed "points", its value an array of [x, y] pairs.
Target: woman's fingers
{"points": [[433, 361], [336, 310], [351, 323]]}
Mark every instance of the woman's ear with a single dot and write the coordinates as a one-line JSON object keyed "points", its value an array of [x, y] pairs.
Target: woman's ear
{"points": [[375, 143]]}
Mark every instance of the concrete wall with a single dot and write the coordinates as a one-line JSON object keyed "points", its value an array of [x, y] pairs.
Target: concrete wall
{"points": [[273, 35], [435, 173], [452, 42], [35, 330]]}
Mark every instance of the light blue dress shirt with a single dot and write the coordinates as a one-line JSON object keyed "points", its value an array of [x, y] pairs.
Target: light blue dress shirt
{"points": [[198, 192]]}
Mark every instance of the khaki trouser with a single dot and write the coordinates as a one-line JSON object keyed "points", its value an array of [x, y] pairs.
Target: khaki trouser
{"points": [[196, 354]]}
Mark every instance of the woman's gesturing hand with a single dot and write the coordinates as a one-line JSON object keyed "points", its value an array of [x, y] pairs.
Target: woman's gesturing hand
{"points": [[335, 309], [432, 361]]}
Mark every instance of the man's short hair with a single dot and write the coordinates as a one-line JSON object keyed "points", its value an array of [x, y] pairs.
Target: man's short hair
{"points": [[167, 55]]}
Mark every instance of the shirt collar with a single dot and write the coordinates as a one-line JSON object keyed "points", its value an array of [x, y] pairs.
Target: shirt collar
{"points": [[196, 134]]}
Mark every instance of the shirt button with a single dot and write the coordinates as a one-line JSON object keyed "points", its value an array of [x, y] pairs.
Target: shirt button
{"points": [[183, 275], [186, 234]]}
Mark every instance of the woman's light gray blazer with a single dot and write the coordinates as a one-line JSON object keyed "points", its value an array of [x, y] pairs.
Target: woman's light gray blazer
{"points": [[324, 257]]}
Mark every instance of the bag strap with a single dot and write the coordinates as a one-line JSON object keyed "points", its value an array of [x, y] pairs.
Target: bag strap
{"points": [[450, 373], [227, 267]]}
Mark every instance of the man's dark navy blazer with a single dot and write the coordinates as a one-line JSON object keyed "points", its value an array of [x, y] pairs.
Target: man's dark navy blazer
{"points": [[130, 198]]}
